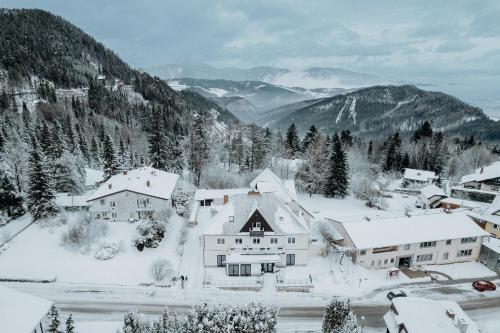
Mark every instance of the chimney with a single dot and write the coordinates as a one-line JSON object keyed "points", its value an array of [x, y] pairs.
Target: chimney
{"points": [[226, 199], [254, 193], [125, 172], [451, 313], [110, 186], [148, 182]]}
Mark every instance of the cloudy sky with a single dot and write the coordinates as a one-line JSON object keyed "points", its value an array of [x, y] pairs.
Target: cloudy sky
{"points": [[452, 45]]}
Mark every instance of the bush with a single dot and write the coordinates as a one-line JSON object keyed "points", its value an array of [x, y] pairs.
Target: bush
{"points": [[339, 318], [107, 251], [161, 269], [150, 234], [84, 232], [183, 201]]}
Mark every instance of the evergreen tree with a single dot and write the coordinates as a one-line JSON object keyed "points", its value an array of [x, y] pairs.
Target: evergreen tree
{"points": [[199, 147], [53, 319], [370, 150], [346, 138], [70, 324], [58, 141], [158, 143], [123, 160], [311, 135], [424, 131], [292, 141], [339, 318], [40, 189], [11, 201], [4, 101], [337, 180], [110, 166]]}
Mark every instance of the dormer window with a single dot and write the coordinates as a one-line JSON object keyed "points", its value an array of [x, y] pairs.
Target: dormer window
{"points": [[281, 218], [231, 218]]}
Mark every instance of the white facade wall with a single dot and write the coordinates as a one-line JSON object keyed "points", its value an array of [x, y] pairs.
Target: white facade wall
{"points": [[122, 206], [300, 248], [383, 260]]}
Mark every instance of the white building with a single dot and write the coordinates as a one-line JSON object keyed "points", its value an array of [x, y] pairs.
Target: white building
{"points": [[436, 238], [134, 194], [68, 202], [208, 198], [254, 233], [418, 177], [20, 312], [421, 315], [485, 178], [430, 196]]}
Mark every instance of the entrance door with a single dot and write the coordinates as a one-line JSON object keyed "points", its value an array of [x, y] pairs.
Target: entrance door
{"points": [[221, 260], [404, 261], [267, 268], [290, 259]]}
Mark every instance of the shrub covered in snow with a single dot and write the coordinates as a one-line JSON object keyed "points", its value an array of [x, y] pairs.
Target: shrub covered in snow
{"points": [[161, 270], [84, 232], [251, 318], [339, 318], [150, 233], [183, 201], [107, 251]]}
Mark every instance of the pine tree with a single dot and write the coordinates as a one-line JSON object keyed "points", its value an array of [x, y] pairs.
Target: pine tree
{"points": [[199, 147], [40, 188], [370, 150], [337, 180], [4, 101], [158, 143], [53, 319], [292, 141], [110, 166], [11, 201], [70, 324], [311, 135], [339, 318]]}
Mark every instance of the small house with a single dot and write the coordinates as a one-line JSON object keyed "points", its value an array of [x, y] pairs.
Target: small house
{"points": [[430, 196], [485, 178], [418, 178]]}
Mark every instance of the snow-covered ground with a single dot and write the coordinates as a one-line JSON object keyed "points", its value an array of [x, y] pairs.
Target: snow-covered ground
{"points": [[464, 270], [13, 227]]}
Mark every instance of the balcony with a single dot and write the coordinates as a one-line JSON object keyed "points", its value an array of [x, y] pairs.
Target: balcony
{"points": [[256, 232]]}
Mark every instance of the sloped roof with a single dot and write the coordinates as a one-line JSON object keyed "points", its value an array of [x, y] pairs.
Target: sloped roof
{"points": [[93, 176], [161, 183], [419, 175], [20, 312], [64, 199], [241, 207], [421, 315], [414, 229], [268, 182], [483, 173], [202, 194], [432, 190]]}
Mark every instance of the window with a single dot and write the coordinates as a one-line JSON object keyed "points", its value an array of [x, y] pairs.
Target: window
{"points": [[112, 204], [221, 241], [231, 218], [392, 260], [233, 270], [379, 262], [373, 263], [464, 253], [114, 215], [385, 261], [445, 256], [256, 225], [281, 218], [291, 240], [496, 226], [428, 244], [256, 240], [274, 240], [424, 257], [362, 252], [221, 260], [238, 241], [246, 270], [290, 259], [103, 202], [469, 240], [448, 242], [407, 247]]}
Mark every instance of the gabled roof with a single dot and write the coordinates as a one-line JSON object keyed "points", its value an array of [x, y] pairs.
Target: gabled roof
{"points": [[268, 182], [93, 176], [146, 180], [64, 199], [413, 229], [202, 194], [20, 312], [419, 175], [483, 173], [277, 214], [421, 315], [432, 190]]}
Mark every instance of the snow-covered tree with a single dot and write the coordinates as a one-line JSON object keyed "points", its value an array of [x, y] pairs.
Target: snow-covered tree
{"points": [[337, 179], [69, 173], [292, 141], [110, 165], [40, 187], [70, 324], [199, 146], [135, 323], [53, 320], [339, 318]]}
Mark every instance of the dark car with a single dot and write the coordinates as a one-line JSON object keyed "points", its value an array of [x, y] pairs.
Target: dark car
{"points": [[482, 285], [392, 295]]}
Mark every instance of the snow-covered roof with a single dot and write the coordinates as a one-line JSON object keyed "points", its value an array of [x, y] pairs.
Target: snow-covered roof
{"points": [[432, 190], [202, 194], [93, 176], [146, 180], [468, 204], [421, 315], [268, 182], [487, 212], [240, 258], [64, 199], [483, 173], [20, 312], [492, 244], [277, 214], [413, 229], [419, 175]]}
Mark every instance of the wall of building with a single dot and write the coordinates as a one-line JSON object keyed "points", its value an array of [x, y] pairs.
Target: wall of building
{"points": [[300, 248], [492, 228], [383, 260], [125, 206]]}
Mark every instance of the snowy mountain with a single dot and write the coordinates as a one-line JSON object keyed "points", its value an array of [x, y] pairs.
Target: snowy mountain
{"points": [[379, 110]]}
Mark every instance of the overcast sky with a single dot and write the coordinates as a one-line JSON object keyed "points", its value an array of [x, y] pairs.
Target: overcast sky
{"points": [[452, 44]]}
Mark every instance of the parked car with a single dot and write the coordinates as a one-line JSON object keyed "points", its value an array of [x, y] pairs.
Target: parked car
{"points": [[482, 285], [392, 295]]}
